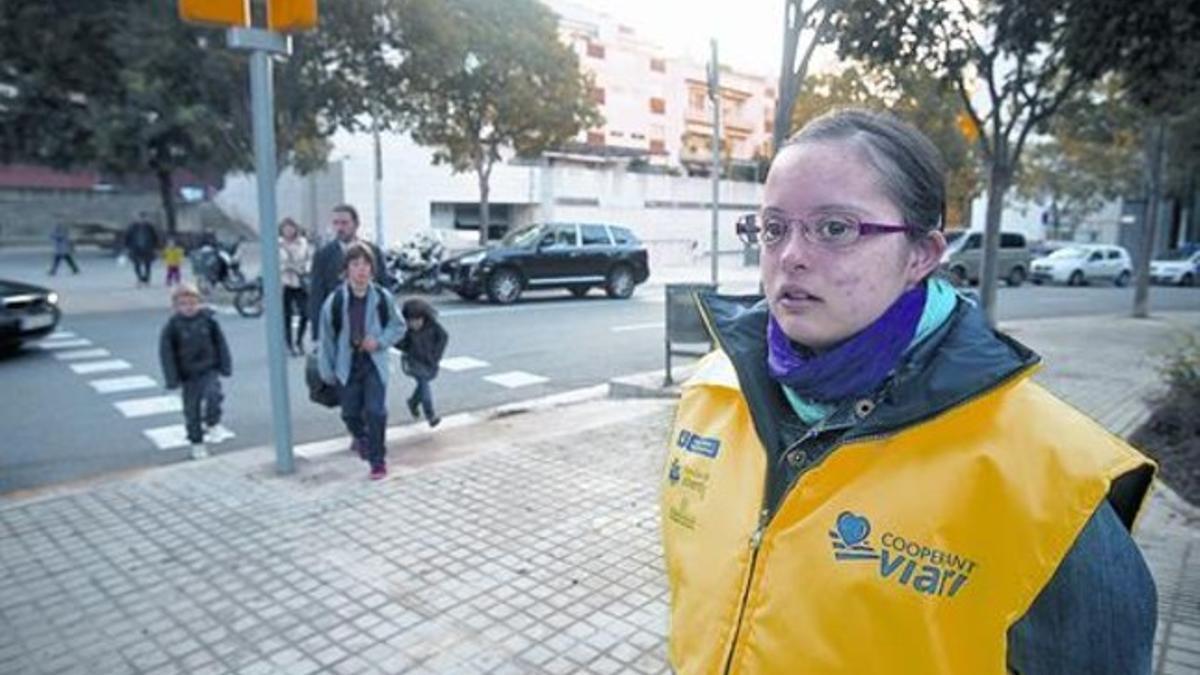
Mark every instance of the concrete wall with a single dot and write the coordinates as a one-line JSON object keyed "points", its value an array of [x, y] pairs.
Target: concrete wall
{"points": [[27, 216]]}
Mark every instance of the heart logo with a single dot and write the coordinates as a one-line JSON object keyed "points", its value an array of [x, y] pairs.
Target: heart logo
{"points": [[852, 528]]}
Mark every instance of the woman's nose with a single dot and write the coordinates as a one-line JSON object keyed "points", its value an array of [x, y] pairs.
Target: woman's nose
{"points": [[795, 250]]}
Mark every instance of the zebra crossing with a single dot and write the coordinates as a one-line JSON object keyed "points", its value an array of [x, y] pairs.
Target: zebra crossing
{"points": [[127, 392]]}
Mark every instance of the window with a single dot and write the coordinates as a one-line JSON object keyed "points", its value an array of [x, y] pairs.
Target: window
{"points": [[658, 106], [598, 95], [595, 50], [972, 242], [595, 235], [595, 138], [697, 99], [563, 235], [658, 147], [1114, 254], [1096, 256], [623, 237], [1008, 240], [637, 137], [658, 65], [617, 134]]}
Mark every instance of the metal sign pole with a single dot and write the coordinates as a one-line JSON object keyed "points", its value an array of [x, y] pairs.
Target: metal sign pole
{"points": [[714, 93], [261, 45]]}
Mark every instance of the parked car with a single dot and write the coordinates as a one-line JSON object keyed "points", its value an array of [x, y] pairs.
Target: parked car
{"points": [[573, 256], [27, 312], [963, 259], [1083, 264], [1177, 267]]}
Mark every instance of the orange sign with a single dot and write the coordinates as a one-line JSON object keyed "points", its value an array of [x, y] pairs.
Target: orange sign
{"points": [[218, 12], [289, 16]]}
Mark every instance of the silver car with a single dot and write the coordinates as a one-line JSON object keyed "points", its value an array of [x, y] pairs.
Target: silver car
{"points": [[963, 259]]}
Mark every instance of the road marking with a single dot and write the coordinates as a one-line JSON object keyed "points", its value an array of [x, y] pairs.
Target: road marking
{"points": [[60, 335], [226, 310], [637, 326], [457, 363], [152, 405], [77, 354], [100, 366], [115, 385], [516, 378], [175, 436], [218, 434], [65, 344]]}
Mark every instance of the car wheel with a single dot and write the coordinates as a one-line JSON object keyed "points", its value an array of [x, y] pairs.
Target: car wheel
{"points": [[580, 291], [1187, 279], [504, 286], [1122, 279], [469, 296], [958, 276], [620, 282], [1076, 278], [1016, 277]]}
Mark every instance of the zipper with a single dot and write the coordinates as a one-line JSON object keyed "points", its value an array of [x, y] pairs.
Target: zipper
{"points": [[755, 543]]}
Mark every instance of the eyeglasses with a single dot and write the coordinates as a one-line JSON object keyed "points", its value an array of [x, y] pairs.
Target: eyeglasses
{"points": [[833, 231]]}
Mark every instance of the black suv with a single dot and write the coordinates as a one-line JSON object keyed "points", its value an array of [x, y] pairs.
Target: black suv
{"points": [[554, 255]]}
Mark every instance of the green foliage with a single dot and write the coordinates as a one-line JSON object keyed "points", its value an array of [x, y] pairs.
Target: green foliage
{"points": [[1181, 369]]}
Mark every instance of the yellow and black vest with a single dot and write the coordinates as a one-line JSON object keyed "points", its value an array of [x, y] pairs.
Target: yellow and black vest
{"points": [[912, 552]]}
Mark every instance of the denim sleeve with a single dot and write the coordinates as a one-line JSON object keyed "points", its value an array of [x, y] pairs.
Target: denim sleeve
{"points": [[1098, 613]]}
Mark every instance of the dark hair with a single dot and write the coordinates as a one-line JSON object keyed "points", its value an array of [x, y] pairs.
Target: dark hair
{"points": [[288, 221], [910, 167], [416, 308], [356, 251], [346, 208]]}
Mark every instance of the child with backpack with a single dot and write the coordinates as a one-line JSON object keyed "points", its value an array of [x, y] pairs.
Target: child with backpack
{"points": [[423, 345], [358, 326], [194, 355]]}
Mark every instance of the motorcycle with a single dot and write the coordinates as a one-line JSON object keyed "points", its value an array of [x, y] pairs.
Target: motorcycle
{"points": [[414, 265], [218, 265], [248, 299]]}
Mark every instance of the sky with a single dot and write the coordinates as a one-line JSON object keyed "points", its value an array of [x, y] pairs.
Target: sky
{"points": [[749, 33]]}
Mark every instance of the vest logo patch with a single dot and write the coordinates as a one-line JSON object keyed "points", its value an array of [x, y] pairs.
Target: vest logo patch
{"points": [[697, 444], [906, 562]]}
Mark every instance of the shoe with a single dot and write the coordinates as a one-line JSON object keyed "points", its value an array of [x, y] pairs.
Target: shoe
{"points": [[413, 407], [434, 421], [199, 451], [216, 433], [378, 473], [359, 447]]}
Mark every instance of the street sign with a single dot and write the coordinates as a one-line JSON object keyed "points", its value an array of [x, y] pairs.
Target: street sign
{"points": [[290, 16], [216, 12]]}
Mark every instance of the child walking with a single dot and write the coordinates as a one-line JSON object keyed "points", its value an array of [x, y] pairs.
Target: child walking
{"points": [[194, 354], [423, 346], [173, 258], [358, 326]]}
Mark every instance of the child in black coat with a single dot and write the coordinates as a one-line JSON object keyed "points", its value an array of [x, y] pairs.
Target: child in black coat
{"points": [[423, 345], [194, 354]]}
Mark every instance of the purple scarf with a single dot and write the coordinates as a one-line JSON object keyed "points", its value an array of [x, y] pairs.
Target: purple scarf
{"points": [[857, 365]]}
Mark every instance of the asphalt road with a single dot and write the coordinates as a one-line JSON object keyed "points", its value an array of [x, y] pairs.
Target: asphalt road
{"points": [[57, 426]]}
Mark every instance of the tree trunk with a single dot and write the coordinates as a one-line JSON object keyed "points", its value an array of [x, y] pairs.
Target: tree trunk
{"points": [[999, 179], [484, 222], [166, 194], [1154, 151]]}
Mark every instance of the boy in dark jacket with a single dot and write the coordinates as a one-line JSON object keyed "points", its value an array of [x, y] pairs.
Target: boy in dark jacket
{"points": [[423, 346], [193, 352]]}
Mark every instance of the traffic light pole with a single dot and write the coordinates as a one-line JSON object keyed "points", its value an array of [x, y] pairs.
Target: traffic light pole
{"points": [[262, 44]]}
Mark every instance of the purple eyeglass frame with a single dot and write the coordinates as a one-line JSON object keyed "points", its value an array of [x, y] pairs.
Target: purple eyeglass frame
{"points": [[747, 229]]}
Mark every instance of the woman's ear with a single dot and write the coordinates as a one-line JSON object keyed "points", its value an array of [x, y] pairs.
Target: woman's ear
{"points": [[926, 256]]}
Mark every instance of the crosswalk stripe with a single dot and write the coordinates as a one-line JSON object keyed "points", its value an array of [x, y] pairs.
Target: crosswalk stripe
{"points": [[100, 366], [64, 344], [175, 436], [457, 363], [114, 385], [637, 326], [77, 354], [151, 405], [60, 335], [515, 378]]}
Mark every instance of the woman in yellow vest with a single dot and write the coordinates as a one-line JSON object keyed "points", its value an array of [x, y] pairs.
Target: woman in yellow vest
{"points": [[864, 478]]}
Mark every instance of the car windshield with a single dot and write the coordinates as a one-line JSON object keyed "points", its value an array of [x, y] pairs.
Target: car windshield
{"points": [[523, 237], [1069, 252], [954, 240], [1177, 255]]}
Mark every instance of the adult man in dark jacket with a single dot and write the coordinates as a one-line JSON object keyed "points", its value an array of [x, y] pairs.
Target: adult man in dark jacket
{"points": [[327, 264], [141, 244]]}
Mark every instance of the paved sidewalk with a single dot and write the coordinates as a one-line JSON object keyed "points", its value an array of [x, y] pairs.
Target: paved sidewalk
{"points": [[527, 543]]}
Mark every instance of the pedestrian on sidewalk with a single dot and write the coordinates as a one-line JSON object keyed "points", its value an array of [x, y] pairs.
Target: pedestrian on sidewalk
{"points": [[358, 326], [328, 262], [423, 345], [194, 355], [173, 258], [295, 259], [912, 499], [64, 249], [141, 245]]}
